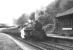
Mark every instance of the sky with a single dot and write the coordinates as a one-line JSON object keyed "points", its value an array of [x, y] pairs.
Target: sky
{"points": [[13, 9]]}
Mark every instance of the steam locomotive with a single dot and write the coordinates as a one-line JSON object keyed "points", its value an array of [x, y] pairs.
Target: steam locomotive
{"points": [[35, 32]]}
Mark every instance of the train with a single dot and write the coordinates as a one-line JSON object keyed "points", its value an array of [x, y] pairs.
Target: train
{"points": [[32, 34]]}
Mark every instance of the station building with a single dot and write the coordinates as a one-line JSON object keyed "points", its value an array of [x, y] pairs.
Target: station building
{"points": [[64, 23]]}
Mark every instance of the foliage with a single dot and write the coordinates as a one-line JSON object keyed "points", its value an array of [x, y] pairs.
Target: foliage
{"points": [[48, 16], [53, 9], [32, 16], [22, 20], [66, 4], [3, 26]]}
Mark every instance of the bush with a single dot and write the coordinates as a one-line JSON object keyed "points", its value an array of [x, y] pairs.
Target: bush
{"points": [[11, 31]]}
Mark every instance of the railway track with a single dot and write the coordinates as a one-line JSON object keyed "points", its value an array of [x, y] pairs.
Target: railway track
{"points": [[66, 43], [43, 46], [52, 45], [46, 45], [40, 46], [64, 47]]}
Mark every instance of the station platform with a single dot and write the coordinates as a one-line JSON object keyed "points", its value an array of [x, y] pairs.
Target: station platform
{"points": [[59, 36], [20, 43]]}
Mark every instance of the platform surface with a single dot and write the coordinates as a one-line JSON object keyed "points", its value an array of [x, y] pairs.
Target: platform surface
{"points": [[18, 43], [58, 36]]}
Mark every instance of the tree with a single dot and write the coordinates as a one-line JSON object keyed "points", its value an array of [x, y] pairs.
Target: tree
{"points": [[66, 4], [22, 20], [47, 17], [60, 6], [32, 16]]}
